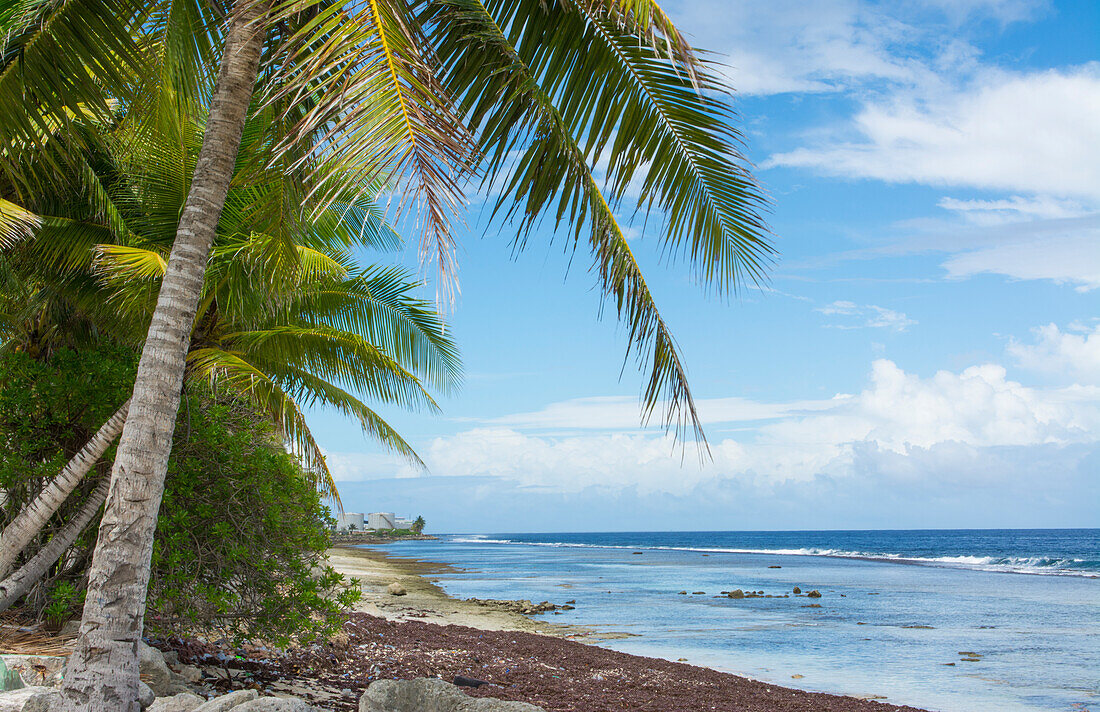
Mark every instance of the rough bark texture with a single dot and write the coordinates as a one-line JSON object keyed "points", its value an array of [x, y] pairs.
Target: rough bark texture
{"points": [[30, 573], [30, 520], [102, 673]]}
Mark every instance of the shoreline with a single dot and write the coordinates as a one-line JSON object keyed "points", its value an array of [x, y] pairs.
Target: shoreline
{"points": [[425, 601], [427, 612]]}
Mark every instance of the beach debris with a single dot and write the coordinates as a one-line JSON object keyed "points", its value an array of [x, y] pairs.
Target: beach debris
{"points": [[814, 594], [396, 589], [462, 681], [797, 590], [427, 694]]}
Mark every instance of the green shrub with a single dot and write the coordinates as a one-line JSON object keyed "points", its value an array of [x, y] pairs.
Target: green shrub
{"points": [[241, 535]]}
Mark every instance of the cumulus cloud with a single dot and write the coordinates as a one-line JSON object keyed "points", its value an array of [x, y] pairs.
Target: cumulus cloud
{"points": [[1036, 132], [866, 316], [898, 415], [1065, 354]]}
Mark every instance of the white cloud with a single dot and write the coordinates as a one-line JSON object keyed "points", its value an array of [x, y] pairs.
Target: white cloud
{"points": [[1037, 132], [1074, 356], [866, 316], [1013, 209], [1066, 258], [622, 413], [898, 413]]}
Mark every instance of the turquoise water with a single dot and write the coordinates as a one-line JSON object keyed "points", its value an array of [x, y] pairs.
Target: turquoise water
{"points": [[897, 608]]}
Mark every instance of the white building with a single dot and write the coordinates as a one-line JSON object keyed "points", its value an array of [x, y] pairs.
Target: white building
{"points": [[349, 521], [381, 520], [402, 523]]}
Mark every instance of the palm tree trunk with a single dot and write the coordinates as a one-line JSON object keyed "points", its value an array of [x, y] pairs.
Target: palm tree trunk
{"points": [[30, 520], [13, 587], [102, 673]]}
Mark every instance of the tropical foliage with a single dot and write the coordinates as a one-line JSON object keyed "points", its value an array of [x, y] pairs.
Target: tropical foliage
{"points": [[242, 530]]}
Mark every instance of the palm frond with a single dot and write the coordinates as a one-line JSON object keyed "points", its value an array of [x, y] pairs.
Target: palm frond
{"points": [[376, 107], [553, 174]]}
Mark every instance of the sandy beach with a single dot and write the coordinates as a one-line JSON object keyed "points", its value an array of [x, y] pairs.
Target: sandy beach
{"points": [[427, 633]]}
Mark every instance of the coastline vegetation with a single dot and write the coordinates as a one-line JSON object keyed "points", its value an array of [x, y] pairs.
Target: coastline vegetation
{"points": [[191, 183]]}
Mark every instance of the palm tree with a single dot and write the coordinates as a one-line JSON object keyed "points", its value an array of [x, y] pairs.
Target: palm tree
{"points": [[416, 87], [314, 329]]}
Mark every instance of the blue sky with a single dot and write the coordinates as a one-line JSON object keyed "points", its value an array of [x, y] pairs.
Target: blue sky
{"points": [[927, 353]]}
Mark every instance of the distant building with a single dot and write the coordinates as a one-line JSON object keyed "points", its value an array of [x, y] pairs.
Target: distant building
{"points": [[402, 523], [381, 520], [349, 521]]}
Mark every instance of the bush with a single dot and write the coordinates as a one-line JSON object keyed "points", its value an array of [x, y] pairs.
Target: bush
{"points": [[241, 535]]}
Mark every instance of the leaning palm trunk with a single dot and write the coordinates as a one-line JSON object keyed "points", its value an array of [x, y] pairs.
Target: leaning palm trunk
{"points": [[13, 587], [32, 518], [102, 673]]}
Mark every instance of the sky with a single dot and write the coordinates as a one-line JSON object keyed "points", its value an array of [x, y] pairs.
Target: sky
{"points": [[926, 353]]}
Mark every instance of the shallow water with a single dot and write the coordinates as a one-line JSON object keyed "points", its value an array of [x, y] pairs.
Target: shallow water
{"points": [[897, 608]]}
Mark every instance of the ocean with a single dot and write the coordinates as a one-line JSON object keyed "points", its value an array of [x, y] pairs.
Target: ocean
{"points": [[949, 620]]}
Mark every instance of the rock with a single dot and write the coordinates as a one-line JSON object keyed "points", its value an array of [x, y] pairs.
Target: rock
{"points": [[154, 670], [796, 590], [185, 702], [191, 673], [145, 695], [797, 677], [227, 702], [571, 602], [431, 695], [275, 704], [736, 593], [396, 589], [70, 628], [775, 567], [27, 699], [9, 679], [682, 593], [698, 593], [36, 669], [813, 594]]}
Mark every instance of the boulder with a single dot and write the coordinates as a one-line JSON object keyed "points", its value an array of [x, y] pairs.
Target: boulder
{"points": [[396, 589], [145, 695], [797, 590], [431, 695], [36, 669], [185, 702], [27, 699], [227, 702], [813, 594], [154, 670], [275, 704], [736, 593]]}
